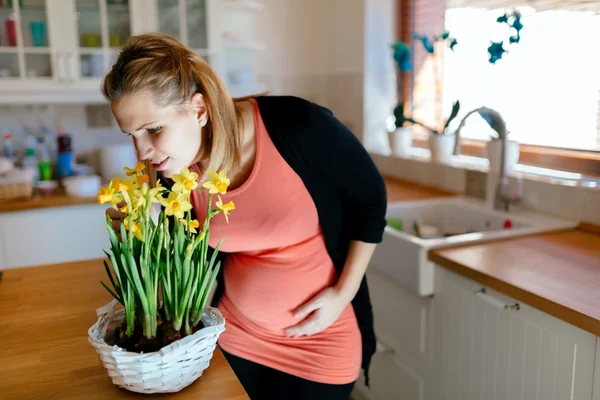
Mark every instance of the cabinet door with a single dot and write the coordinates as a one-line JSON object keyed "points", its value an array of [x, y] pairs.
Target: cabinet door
{"points": [[101, 27], [49, 236], [30, 57], [487, 351], [188, 22]]}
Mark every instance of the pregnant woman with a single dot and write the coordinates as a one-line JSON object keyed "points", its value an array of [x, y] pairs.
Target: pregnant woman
{"points": [[310, 210]]}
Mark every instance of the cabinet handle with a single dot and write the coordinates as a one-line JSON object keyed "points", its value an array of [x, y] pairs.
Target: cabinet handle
{"points": [[482, 294]]}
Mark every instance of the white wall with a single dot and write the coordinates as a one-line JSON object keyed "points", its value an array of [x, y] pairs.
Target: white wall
{"points": [[315, 50]]}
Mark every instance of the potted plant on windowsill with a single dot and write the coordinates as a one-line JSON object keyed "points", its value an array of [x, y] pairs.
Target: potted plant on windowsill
{"points": [[440, 141], [164, 336]]}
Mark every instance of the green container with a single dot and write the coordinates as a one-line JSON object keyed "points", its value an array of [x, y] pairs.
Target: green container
{"points": [[45, 170]]}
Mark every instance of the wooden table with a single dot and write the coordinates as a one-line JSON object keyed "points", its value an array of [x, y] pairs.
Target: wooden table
{"points": [[45, 313]]}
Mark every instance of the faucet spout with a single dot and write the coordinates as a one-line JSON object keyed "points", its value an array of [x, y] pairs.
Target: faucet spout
{"points": [[497, 123]]}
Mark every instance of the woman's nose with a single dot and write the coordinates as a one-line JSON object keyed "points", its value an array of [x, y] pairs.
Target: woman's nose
{"points": [[144, 150]]}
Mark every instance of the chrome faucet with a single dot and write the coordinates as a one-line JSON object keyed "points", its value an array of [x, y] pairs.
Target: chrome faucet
{"points": [[496, 122]]}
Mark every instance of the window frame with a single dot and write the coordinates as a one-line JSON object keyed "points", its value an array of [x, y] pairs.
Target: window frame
{"points": [[586, 162]]}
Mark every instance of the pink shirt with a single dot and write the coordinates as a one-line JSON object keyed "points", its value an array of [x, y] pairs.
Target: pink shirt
{"points": [[278, 261]]}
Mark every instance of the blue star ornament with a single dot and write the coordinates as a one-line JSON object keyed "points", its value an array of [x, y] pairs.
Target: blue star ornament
{"points": [[496, 50], [426, 42]]}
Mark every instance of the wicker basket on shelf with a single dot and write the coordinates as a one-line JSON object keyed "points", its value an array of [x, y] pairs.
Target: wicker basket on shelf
{"points": [[170, 369], [16, 185]]}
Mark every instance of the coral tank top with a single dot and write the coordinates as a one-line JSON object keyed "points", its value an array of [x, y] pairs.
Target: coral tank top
{"points": [[277, 260]]}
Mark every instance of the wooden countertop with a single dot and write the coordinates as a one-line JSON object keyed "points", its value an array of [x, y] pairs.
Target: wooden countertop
{"points": [[557, 273], [45, 313], [397, 191], [57, 199]]}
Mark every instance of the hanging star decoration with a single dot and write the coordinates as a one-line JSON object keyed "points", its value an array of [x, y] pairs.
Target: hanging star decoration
{"points": [[428, 43], [496, 49]]}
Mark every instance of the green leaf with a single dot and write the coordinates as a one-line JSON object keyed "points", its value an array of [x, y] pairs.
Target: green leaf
{"points": [[112, 294], [115, 286]]}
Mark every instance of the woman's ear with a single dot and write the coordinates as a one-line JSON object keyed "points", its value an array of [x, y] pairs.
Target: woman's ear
{"points": [[198, 105]]}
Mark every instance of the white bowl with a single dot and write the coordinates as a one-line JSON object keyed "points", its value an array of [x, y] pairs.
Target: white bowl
{"points": [[82, 186]]}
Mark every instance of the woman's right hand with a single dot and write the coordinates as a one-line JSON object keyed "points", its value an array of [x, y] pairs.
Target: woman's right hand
{"points": [[115, 216]]}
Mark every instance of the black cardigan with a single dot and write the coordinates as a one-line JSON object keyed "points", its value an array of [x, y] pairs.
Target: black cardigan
{"points": [[344, 183]]}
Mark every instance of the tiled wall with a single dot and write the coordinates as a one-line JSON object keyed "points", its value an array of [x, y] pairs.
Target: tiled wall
{"points": [[86, 140], [561, 198]]}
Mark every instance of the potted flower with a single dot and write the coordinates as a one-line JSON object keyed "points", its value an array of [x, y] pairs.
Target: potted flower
{"points": [[441, 141], [161, 274]]}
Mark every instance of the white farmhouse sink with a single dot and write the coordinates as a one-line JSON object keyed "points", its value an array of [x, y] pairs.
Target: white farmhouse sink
{"points": [[403, 256]]}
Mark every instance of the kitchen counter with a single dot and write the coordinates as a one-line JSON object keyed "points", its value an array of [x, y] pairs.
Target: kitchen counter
{"points": [[557, 273], [45, 313], [57, 199], [397, 191]]}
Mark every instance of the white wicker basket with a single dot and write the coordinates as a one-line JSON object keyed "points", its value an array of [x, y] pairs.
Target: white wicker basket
{"points": [[168, 370]]}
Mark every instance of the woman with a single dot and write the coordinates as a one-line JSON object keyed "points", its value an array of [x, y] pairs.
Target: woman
{"points": [[310, 210]]}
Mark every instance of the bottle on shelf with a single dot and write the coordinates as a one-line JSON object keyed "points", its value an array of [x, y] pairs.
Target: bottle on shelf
{"points": [[64, 157], [30, 161], [7, 146], [43, 158], [48, 136]]}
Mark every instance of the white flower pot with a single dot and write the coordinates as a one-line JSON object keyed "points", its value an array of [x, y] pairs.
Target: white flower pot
{"points": [[494, 149], [401, 141], [168, 370], [441, 147]]}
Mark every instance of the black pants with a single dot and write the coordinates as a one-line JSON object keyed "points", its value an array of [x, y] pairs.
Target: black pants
{"points": [[264, 383]]}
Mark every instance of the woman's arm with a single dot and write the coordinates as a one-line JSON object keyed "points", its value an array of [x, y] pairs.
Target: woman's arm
{"points": [[340, 158], [329, 304]]}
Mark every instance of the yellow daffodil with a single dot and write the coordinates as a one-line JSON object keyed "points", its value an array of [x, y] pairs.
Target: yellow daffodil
{"points": [[186, 181], [193, 225], [143, 179], [139, 167], [217, 183], [127, 184], [136, 229], [176, 204], [111, 193], [225, 208]]}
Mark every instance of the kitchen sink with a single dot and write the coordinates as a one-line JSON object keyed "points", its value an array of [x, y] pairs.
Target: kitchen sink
{"points": [[444, 222]]}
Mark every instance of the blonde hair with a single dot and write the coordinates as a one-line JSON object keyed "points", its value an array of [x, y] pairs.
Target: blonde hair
{"points": [[173, 74]]}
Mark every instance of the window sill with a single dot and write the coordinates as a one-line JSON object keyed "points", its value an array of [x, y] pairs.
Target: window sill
{"points": [[529, 172]]}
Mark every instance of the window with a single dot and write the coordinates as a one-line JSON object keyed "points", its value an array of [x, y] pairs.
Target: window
{"points": [[547, 87]]}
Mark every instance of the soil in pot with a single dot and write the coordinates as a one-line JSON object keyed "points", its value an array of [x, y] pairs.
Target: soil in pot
{"points": [[138, 343]]}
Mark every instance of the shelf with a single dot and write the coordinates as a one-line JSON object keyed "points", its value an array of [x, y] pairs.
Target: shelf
{"points": [[244, 4], [204, 52], [25, 8], [36, 50], [91, 50], [109, 7], [244, 46], [8, 50]]}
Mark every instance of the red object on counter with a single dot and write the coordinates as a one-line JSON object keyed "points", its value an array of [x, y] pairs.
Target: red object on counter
{"points": [[507, 224]]}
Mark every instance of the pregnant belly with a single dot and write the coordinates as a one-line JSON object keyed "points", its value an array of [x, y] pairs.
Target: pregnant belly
{"points": [[266, 288]]}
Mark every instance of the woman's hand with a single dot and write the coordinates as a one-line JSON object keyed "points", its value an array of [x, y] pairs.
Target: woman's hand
{"points": [[115, 216], [319, 313]]}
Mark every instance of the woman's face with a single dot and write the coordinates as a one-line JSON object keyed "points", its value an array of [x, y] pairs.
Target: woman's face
{"points": [[168, 137]]}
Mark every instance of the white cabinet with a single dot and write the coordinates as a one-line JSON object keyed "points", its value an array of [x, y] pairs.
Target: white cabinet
{"points": [[402, 366], [53, 235], [488, 346], [61, 49]]}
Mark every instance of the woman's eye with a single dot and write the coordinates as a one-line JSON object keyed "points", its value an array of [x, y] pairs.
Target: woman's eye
{"points": [[154, 130]]}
